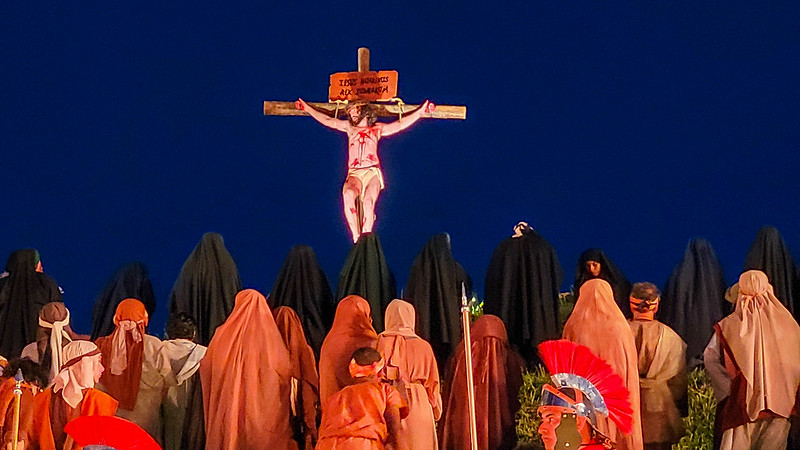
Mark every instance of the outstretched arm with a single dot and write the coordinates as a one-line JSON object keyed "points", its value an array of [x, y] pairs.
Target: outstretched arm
{"points": [[330, 122], [406, 121]]}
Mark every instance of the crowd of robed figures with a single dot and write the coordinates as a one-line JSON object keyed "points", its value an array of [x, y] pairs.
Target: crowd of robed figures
{"points": [[239, 371]]}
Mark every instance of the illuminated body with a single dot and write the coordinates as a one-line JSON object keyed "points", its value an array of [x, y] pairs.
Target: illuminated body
{"points": [[364, 180]]}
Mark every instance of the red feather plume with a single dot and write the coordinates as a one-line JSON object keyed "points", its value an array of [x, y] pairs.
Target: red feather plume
{"points": [[563, 356]]}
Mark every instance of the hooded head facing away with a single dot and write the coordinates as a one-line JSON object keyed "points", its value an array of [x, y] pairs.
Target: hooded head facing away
{"points": [[764, 340], [123, 352]]}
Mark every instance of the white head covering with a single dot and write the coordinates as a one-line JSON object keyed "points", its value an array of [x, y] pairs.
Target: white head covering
{"points": [[764, 339], [56, 342], [77, 373]]}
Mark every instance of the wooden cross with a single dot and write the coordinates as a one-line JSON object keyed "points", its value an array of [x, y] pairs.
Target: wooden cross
{"points": [[272, 108]]}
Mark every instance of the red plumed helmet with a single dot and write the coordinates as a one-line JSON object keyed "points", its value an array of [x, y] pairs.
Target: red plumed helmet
{"points": [[575, 366]]}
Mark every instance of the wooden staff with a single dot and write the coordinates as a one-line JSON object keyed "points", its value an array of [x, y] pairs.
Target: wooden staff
{"points": [[17, 400], [465, 324]]}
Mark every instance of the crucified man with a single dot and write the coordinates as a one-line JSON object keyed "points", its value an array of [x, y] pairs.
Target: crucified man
{"points": [[364, 180]]}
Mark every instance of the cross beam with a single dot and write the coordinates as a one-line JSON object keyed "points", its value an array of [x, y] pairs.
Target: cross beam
{"points": [[277, 108]]}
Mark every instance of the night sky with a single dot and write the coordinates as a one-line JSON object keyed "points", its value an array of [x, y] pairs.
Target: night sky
{"points": [[127, 131]]}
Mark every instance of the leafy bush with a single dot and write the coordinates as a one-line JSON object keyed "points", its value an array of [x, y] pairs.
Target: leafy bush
{"points": [[530, 394], [702, 410]]}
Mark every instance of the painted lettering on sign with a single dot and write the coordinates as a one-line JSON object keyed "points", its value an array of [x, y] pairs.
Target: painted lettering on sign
{"points": [[363, 86]]}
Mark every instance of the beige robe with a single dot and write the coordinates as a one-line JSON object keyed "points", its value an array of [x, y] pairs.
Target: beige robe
{"points": [[184, 358], [662, 380], [146, 412]]}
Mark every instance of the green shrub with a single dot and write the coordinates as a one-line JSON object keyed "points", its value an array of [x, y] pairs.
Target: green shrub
{"points": [[702, 409], [530, 394]]}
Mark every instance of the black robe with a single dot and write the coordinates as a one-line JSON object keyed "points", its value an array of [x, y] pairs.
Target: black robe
{"points": [[609, 272], [693, 300], [130, 281], [523, 282], [769, 254], [22, 294], [434, 288], [365, 273], [206, 287], [303, 286]]}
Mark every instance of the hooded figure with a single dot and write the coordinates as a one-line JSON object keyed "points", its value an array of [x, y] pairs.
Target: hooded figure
{"points": [[206, 287], [760, 348], [366, 274], [351, 330], [130, 281], [597, 323], [53, 334], [694, 299], [183, 356], [134, 367], [497, 374], [434, 288], [22, 294], [606, 270], [303, 286], [246, 378], [72, 395], [409, 359], [305, 379], [522, 286], [769, 254]]}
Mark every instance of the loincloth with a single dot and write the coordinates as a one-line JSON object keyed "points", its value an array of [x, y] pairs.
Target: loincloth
{"points": [[365, 175]]}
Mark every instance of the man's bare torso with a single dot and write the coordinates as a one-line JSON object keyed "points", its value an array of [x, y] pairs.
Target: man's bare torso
{"points": [[362, 148]]}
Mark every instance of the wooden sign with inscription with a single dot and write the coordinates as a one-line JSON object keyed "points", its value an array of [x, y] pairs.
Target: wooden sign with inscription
{"points": [[363, 86]]}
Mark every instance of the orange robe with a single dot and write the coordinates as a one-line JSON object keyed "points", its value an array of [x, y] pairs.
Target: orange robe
{"points": [[410, 359], [354, 417], [304, 374], [43, 434], [7, 411], [597, 322], [246, 379], [351, 330]]}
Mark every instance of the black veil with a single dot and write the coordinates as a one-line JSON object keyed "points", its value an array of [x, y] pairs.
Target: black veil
{"points": [[434, 288], [693, 300], [522, 288], [206, 286], [365, 273], [302, 285]]}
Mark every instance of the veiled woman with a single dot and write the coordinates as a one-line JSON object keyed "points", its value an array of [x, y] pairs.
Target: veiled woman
{"points": [[23, 293], [351, 330], [597, 323], [409, 360], [497, 373], [593, 263], [246, 379]]}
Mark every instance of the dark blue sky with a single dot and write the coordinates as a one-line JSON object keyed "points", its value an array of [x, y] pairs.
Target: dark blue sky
{"points": [[126, 132]]}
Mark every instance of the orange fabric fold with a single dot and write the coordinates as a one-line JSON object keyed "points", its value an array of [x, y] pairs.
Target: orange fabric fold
{"points": [[304, 368], [246, 380], [94, 403], [351, 330]]}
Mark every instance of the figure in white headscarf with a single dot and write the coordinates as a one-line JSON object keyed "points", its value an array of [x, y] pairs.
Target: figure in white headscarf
{"points": [[754, 355]]}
